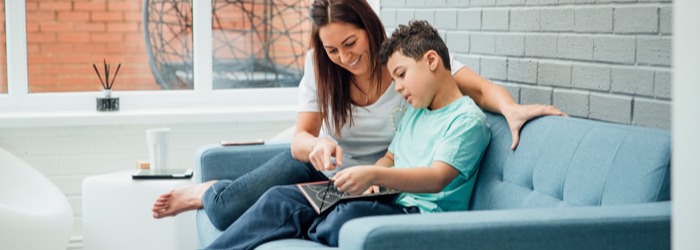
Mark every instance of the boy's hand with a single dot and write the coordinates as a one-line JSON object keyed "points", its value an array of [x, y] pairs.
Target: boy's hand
{"points": [[372, 190], [320, 156], [355, 180]]}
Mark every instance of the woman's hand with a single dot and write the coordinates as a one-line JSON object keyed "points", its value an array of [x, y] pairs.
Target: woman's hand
{"points": [[321, 152], [354, 180], [517, 115], [495, 98]]}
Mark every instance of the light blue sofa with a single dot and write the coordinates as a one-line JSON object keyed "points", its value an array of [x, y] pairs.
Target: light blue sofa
{"points": [[571, 184]]}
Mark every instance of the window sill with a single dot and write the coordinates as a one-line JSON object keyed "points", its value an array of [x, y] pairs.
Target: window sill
{"points": [[146, 116]]}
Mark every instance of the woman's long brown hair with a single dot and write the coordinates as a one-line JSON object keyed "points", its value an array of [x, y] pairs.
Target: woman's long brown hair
{"points": [[332, 81]]}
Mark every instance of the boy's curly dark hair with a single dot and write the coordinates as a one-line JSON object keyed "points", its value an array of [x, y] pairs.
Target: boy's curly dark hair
{"points": [[413, 40]]}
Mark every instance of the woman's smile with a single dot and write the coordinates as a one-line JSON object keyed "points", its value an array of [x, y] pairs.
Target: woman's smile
{"points": [[355, 63]]}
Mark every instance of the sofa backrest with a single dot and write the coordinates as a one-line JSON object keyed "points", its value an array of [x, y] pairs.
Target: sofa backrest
{"points": [[563, 161]]}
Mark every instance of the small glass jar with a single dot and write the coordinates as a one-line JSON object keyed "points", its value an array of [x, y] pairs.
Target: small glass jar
{"points": [[107, 102]]}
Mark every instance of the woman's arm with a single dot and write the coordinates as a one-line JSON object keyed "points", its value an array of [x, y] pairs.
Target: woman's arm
{"points": [[308, 147], [308, 126], [487, 95], [496, 99]]}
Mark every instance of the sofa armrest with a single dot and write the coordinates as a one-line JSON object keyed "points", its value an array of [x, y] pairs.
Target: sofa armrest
{"points": [[640, 226], [214, 162]]}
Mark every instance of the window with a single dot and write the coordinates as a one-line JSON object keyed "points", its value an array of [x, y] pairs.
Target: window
{"points": [[52, 44], [259, 43], [26, 93], [66, 37], [255, 43], [169, 42]]}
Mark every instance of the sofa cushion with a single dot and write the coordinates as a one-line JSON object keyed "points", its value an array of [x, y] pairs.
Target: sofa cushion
{"points": [[293, 244], [563, 161]]}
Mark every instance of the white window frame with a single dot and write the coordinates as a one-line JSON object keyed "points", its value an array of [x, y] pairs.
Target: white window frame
{"points": [[19, 108], [18, 97]]}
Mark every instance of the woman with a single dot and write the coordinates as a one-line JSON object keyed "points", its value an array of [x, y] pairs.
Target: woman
{"points": [[347, 112]]}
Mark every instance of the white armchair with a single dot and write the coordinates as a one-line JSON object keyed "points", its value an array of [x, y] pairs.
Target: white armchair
{"points": [[34, 213]]}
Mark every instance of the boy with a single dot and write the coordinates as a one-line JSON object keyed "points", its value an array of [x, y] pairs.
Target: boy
{"points": [[433, 157]]}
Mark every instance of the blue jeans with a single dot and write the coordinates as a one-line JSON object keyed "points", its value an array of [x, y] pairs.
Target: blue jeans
{"points": [[227, 200], [283, 212]]}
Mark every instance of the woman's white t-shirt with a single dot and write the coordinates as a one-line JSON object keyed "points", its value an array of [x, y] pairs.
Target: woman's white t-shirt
{"points": [[373, 125]]}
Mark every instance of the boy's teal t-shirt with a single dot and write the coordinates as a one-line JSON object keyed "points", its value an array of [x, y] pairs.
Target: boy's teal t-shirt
{"points": [[456, 134]]}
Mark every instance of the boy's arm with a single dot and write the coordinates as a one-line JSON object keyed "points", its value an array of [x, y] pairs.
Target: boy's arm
{"points": [[458, 152], [413, 180], [387, 160], [432, 179]]}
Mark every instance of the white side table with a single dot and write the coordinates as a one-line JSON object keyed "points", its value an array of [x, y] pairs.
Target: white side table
{"points": [[117, 215]]}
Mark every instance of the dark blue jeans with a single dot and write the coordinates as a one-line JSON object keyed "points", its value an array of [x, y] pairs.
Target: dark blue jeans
{"points": [[283, 212], [227, 200]]}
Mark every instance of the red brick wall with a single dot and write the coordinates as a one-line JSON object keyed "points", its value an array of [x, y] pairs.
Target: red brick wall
{"points": [[65, 37]]}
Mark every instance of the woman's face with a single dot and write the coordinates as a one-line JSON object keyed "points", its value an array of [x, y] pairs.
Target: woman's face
{"points": [[347, 46]]}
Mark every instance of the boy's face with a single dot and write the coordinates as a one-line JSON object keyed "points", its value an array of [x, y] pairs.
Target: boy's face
{"points": [[413, 79]]}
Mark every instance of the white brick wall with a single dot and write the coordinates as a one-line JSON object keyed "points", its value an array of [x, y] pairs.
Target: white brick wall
{"points": [[599, 59], [66, 155]]}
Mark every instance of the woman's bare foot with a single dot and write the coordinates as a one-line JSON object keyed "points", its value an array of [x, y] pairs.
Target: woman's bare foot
{"points": [[180, 199]]}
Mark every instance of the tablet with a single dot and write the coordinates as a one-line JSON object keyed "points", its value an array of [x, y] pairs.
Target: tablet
{"points": [[162, 174]]}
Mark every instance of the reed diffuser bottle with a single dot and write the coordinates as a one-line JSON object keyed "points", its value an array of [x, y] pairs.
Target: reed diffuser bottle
{"points": [[107, 102]]}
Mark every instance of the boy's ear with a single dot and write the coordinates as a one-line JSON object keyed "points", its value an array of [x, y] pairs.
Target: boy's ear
{"points": [[433, 59]]}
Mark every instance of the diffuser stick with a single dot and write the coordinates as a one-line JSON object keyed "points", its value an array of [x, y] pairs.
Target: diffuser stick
{"points": [[98, 75]]}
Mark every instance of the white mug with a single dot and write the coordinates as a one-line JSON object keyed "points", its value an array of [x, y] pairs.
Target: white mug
{"points": [[157, 141]]}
